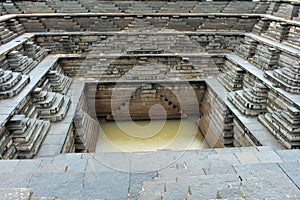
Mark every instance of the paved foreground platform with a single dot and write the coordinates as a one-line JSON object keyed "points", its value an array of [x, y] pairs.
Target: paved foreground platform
{"points": [[231, 173]]}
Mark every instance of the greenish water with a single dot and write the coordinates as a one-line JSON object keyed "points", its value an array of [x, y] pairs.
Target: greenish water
{"points": [[130, 136]]}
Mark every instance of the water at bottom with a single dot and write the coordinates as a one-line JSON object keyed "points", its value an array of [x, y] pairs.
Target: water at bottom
{"points": [[128, 136]]}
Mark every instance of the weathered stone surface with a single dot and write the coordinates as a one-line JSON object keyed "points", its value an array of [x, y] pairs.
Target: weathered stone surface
{"points": [[119, 27], [57, 184], [15, 193]]}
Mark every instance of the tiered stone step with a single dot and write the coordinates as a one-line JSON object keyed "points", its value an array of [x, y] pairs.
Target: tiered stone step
{"points": [[60, 24], [100, 70], [67, 6], [251, 102], [170, 7], [29, 110], [51, 106], [86, 132], [261, 7], [28, 134], [293, 38], [11, 83], [185, 69], [34, 7], [146, 72], [266, 57], [261, 26], [232, 76], [277, 31], [288, 76], [138, 7], [287, 10], [20, 63], [34, 51], [2, 9], [297, 16], [204, 66], [214, 23], [273, 7], [103, 24], [184, 44], [285, 125], [139, 25], [249, 80], [58, 81], [33, 24], [238, 7], [7, 149], [16, 27], [179, 25], [10, 7], [6, 35], [209, 7], [247, 48], [104, 7]]}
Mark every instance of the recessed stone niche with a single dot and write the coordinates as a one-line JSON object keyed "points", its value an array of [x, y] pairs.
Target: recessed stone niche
{"points": [[165, 100]]}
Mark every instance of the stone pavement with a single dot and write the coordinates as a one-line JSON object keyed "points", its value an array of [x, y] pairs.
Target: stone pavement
{"points": [[234, 173]]}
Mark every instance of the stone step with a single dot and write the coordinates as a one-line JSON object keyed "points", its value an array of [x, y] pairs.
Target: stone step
{"points": [[61, 113], [10, 83], [7, 36], [51, 108], [27, 146], [287, 79], [266, 120], [247, 103], [16, 89], [48, 102], [280, 83], [35, 145], [253, 98], [292, 132], [25, 135], [242, 108]]}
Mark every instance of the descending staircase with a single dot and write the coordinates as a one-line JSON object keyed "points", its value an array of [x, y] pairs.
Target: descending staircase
{"points": [[139, 104]]}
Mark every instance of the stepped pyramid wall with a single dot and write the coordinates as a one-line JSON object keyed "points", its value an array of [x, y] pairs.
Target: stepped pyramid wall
{"points": [[232, 65]]}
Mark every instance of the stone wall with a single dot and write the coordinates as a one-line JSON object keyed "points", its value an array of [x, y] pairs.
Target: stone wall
{"points": [[81, 6], [111, 99], [216, 120], [134, 22], [142, 67], [121, 43], [85, 128]]}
